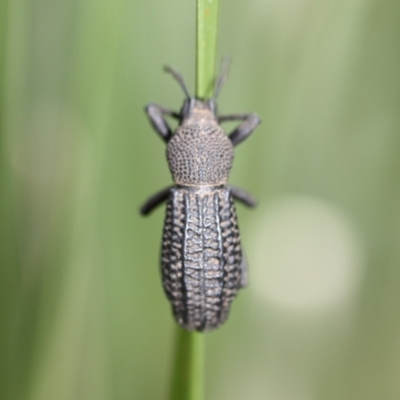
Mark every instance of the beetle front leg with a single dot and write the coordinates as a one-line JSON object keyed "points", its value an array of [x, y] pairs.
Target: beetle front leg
{"points": [[244, 278], [240, 195], [156, 115], [155, 201], [244, 130]]}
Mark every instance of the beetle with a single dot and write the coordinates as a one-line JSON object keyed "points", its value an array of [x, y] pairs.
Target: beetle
{"points": [[202, 262]]}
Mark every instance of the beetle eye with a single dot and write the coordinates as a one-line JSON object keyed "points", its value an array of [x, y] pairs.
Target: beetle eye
{"points": [[186, 108], [212, 106]]}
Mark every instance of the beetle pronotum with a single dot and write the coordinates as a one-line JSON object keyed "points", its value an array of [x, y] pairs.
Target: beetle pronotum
{"points": [[202, 262]]}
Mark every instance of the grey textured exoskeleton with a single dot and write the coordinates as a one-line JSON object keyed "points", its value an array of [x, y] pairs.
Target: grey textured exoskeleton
{"points": [[202, 262]]}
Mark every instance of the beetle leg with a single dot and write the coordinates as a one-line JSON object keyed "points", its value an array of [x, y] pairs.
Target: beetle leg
{"points": [[156, 115], [155, 201], [246, 198], [244, 277], [244, 130]]}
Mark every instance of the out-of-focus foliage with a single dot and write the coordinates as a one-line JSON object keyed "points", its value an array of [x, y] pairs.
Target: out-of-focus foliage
{"points": [[82, 312]]}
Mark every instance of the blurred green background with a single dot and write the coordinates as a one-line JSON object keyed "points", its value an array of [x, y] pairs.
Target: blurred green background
{"points": [[82, 311]]}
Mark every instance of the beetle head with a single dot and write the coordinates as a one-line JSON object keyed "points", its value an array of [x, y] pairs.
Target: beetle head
{"points": [[193, 106]]}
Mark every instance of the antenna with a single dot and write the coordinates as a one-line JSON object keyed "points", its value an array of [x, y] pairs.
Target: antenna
{"points": [[226, 62], [178, 77]]}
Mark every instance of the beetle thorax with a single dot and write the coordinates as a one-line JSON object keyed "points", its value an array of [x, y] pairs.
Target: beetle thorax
{"points": [[199, 153]]}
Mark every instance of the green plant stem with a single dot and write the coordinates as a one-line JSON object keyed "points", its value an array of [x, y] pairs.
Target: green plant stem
{"points": [[188, 369], [3, 30], [9, 270], [188, 372], [207, 18]]}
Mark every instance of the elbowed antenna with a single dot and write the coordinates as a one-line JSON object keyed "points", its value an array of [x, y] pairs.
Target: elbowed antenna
{"points": [[178, 77], [226, 62]]}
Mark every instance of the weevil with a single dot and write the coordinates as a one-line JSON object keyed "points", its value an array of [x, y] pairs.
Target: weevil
{"points": [[202, 262]]}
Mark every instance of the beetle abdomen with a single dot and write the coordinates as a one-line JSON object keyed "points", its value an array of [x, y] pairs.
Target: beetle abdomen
{"points": [[201, 256]]}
